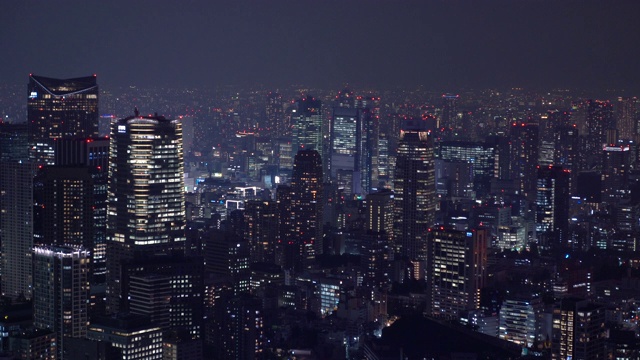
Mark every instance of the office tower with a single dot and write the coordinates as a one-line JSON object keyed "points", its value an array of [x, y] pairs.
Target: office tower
{"points": [[482, 157], [306, 119], [304, 240], [599, 119], [456, 270], [524, 157], [128, 336], [380, 206], [306, 209], [59, 109], [276, 126], [92, 152], [16, 210], [449, 118], [520, 317], [552, 203], [371, 141], [239, 328], [615, 173], [87, 156], [16, 226], [61, 291], [626, 117], [414, 190], [67, 205], [146, 206], [346, 136], [168, 289], [261, 229], [227, 255], [578, 330], [566, 153]]}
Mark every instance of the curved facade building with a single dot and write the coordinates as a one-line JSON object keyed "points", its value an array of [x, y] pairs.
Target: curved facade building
{"points": [[146, 204]]}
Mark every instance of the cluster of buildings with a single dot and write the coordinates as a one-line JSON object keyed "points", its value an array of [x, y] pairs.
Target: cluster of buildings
{"points": [[269, 226]]}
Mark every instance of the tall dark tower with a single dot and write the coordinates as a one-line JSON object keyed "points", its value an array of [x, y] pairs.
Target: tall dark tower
{"points": [[60, 109], [552, 204], [276, 125], [450, 112], [146, 204], [306, 208], [16, 210], [599, 120], [414, 187]]}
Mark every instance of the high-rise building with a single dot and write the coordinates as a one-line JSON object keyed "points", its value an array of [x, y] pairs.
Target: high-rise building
{"points": [[380, 212], [61, 291], [456, 271], [626, 118], [482, 157], [578, 330], [616, 164], [306, 209], [552, 203], [168, 289], [414, 191], [306, 120], [524, 146], [599, 120], [275, 125], [59, 109], [449, 118], [261, 229], [16, 227], [146, 203], [16, 210]]}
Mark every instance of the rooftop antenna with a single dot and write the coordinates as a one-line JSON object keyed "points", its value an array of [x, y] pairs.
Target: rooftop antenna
{"points": [[136, 112]]}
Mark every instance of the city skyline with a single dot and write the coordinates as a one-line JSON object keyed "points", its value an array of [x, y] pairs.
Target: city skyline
{"points": [[438, 44]]}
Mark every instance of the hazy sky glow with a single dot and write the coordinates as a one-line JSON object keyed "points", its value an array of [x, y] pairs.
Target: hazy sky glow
{"points": [[439, 44]]}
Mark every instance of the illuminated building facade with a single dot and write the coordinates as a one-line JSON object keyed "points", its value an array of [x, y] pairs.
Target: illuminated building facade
{"points": [[414, 191], [61, 291], [552, 203], [59, 109], [146, 204], [306, 210], [578, 330], [306, 120], [457, 270], [130, 337]]}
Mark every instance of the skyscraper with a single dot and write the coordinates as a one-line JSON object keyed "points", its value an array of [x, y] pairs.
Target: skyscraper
{"points": [[59, 109], [146, 204], [414, 190], [552, 203], [306, 119], [457, 270], [306, 208], [16, 210], [16, 227], [61, 291], [275, 125]]}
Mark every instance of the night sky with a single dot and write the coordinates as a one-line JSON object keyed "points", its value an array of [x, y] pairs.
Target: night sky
{"points": [[386, 44]]}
